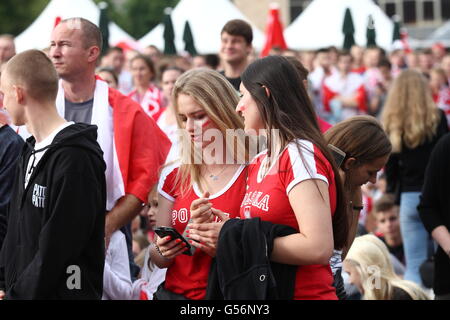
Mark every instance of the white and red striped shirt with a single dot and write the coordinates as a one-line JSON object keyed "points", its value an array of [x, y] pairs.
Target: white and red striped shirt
{"points": [[350, 86]]}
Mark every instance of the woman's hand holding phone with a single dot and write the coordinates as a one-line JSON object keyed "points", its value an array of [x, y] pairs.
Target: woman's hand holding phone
{"points": [[170, 248]]}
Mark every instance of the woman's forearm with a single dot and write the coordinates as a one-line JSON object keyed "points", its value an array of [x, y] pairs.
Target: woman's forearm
{"points": [[442, 237], [159, 260], [296, 249]]}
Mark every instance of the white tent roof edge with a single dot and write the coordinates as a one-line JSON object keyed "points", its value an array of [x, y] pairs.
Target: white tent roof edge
{"points": [[205, 27], [37, 35], [320, 24]]}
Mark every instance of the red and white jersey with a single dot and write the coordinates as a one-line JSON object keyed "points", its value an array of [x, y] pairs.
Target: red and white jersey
{"points": [[316, 79], [442, 100], [267, 198], [151, 102], [318, 76], [351, 85], [372, 77], [188, 275]]}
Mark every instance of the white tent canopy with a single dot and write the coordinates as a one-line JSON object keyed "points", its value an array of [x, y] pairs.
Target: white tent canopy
{"points": [[37, 36], [442, 35], [206, 19], [320, 25]]}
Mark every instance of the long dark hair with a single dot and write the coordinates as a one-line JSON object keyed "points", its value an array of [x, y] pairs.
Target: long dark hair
{"points": [[289, 109]]}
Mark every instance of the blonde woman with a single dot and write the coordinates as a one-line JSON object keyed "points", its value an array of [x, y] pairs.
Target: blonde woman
{"points": [[204, 183], [413, 124], [369, 266]]}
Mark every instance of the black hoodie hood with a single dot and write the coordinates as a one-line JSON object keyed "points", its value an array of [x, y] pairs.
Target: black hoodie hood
{"points": [[79, 135]]}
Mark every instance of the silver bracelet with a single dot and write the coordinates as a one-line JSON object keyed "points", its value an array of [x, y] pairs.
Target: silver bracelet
{"points": [[159, 251]]}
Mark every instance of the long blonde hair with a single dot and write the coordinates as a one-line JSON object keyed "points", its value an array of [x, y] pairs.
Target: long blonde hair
{"points": [[371, 258], [410, 117], [218, 99]]}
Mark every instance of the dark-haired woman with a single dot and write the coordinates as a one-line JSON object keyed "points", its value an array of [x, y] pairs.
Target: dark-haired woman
{"points": [[367, 149], [295, 181]]}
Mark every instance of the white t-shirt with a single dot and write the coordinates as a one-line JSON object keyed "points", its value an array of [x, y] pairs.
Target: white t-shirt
{"points": [[36, 157], [171, 132], [117, 283], [125, 82], [152, 275]]}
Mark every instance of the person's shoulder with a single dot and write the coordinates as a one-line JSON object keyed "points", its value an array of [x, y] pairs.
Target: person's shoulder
{"points": [[443, 146], [120, 102], [76, 147], [306, 147], [304, 153], [170, 169], [9, 138], [446, 139], [443, 123], [168, 175], [400, 294], [168, 183]]}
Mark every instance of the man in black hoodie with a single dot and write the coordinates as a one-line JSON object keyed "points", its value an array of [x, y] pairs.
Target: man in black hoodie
{"points": [[54, 246]]}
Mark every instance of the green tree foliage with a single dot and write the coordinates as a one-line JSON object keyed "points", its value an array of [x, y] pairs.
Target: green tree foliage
{"points": [[137, 17], [17, 15], [142, 16]]}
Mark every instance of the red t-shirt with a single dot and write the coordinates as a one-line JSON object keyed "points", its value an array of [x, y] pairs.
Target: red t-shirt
{"points": [[323, 125], [267, 198], [188, 275]]}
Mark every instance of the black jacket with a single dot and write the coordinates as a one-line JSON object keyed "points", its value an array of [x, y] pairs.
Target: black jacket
{"points": [[54, 246], [242, 269], [10, 145], [434, 208]]}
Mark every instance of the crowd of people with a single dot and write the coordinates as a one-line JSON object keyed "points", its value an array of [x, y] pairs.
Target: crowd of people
{"points": [[319, 173]]}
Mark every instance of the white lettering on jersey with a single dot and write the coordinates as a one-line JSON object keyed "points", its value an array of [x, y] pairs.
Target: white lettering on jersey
{"points": [[252, 199], [264, 203], [182, 216]]}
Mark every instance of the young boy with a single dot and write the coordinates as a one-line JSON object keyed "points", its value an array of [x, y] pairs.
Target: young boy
{"points": [[388, 226], [54, 246]]}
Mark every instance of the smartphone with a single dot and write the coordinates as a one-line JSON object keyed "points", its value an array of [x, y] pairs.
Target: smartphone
{"points": [[174, 234], [338, 154]]}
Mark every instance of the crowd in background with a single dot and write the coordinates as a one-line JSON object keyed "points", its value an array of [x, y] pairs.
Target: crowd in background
{"points": [[341, 84], [401, 88]]}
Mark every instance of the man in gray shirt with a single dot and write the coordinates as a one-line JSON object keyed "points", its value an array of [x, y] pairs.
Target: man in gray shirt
{"points": [[79, 112]]}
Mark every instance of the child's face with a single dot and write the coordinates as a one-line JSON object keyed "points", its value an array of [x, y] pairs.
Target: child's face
{"points": [[151, 213], [388, 222]]}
